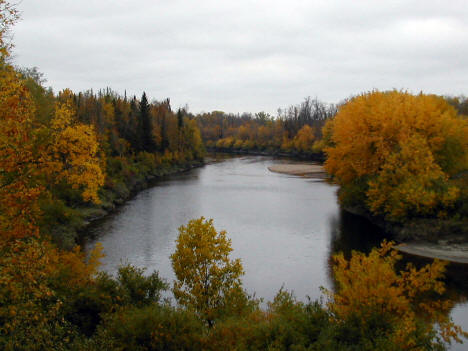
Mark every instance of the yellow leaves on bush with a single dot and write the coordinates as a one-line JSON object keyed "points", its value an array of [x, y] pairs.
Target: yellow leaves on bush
{"points": [[404, 146], [368, 285], [205, 274]]}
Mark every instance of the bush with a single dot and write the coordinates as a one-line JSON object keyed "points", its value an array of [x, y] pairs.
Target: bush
{"points": [[152, 328]]}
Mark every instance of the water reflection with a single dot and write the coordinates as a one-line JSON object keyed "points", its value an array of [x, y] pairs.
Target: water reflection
{"points": [[349, 233]]}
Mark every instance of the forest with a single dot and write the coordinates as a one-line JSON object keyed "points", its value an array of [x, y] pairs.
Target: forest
{"points": [[68, 157], [295, 131]]}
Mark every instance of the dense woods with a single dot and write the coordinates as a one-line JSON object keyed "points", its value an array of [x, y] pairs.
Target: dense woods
{"points": [[296, 130], [65, 157]]}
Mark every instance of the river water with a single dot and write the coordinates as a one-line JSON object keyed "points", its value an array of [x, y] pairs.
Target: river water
{"points": [[284, 228]]}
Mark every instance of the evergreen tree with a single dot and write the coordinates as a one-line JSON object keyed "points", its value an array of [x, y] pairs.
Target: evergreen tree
{"points": [[146, 124], [134, 126], [180, 119]]}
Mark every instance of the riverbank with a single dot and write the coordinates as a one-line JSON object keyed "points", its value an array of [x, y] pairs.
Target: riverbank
{"points": [[457, 253], [317, 157], [112, 197], [426, 237]]}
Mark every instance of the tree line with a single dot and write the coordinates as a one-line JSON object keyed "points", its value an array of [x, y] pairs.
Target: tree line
{"points": [[295, 130]]}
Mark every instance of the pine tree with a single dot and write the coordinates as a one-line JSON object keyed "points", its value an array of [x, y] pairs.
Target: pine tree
{"points": [[146, 124]]}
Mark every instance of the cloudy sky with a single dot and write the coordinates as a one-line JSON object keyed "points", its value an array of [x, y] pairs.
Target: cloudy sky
{"points": [[244, 55]]}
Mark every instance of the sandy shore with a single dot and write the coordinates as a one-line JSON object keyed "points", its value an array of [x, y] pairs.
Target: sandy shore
{"points": [[305, 170], [450, 252]]}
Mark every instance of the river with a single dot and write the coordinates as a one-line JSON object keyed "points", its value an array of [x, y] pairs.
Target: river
{"points": [[284, 228]]}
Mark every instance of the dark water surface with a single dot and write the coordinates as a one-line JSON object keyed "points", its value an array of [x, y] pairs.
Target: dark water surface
{"points": [[284, 228]]}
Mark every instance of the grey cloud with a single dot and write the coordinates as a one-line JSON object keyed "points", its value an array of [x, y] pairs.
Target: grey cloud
{"points": [[246, 55]]}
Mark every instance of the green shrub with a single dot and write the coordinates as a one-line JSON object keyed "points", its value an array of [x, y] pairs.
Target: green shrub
{"points": [[152, 328]]}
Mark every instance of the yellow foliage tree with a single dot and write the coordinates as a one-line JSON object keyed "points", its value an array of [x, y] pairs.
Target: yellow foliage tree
{"points": [[369, 286], [402, 147], [73, 154], [304, 139], [206, 277], [28, 152]]}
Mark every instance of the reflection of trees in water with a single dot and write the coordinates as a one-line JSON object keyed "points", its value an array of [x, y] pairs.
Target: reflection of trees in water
{"points": [[456, 276], [349, 232]]}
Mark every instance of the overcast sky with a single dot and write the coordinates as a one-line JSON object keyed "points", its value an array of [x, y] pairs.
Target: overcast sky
{"points": [[241, 55]]}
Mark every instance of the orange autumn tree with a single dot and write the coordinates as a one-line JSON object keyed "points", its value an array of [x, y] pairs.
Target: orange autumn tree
{"points": [[32, 156], [31, 269], [395, 152], [19, 168], [400, 307]]}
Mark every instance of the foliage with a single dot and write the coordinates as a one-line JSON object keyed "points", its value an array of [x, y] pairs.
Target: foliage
{"points": [[294, 130], [206, 277], [34, 275], [304, 139], [18, 168], [33, 156], [74, 153], [158, 328], [391, 305], [8, 16], [287, 324], [137, 290], [404, 146]]}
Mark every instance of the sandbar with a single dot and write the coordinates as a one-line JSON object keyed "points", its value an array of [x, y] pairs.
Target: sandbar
{"points": [[450, 252], [299, 169]]}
